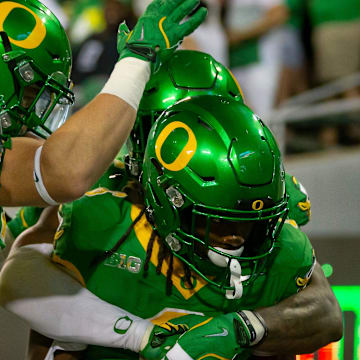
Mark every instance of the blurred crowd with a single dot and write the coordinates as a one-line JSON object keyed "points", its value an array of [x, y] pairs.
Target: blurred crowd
{"points": [[278, 50]]}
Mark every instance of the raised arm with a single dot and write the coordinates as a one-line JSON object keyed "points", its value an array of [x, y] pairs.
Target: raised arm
{"points": [[75, 156]]}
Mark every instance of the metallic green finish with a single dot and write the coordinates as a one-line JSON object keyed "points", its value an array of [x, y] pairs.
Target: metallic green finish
{"points": [[236, 162], [49, 66], [186, 74]]}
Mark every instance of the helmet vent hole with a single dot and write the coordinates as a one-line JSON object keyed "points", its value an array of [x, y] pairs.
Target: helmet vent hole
{"points": [[204, 124], [204, 178], [208, 178], [157, 166], [233, 94]]}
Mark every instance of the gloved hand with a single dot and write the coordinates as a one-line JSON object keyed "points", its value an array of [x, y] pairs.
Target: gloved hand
{"points": [[220, 337], [161, 338], [159, 30]]}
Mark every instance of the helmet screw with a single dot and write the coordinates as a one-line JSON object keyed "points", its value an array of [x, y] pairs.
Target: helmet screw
{"points": [[175, 197], [173, 243], [6, 57], [5, 121], [26, 72], [28, 76]]}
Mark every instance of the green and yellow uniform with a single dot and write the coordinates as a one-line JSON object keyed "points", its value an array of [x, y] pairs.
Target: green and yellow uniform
{"points": [[95, 223], [114, 178]]}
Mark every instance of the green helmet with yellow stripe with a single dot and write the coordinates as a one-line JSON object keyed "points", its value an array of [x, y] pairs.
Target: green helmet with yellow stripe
{"points": [[210, 160], [186, 74], [35, 65]]}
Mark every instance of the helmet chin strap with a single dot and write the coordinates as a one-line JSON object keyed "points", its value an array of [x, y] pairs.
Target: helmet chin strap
{"points": [[235, 270]]}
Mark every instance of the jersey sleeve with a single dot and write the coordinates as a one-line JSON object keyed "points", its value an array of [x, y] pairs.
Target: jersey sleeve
{"points": [[26, 217], [295, 262], [299, 203], [88, 228]]}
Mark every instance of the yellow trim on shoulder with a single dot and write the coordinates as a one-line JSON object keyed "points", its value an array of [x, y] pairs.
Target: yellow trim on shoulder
{"points": [[293, 178], [292, 223], [58, 234], [305, 206], [102, 191], [22, 217], [70, 266], [210, 355], [167, 42], [119, 164], [143, 232]]}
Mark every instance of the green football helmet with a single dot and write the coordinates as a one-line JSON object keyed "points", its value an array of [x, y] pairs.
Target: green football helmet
{"points": [[35, 66], [186, 74], [211, 159]]}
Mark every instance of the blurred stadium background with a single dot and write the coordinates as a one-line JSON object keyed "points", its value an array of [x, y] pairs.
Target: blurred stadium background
{"points": [[306, 53]]}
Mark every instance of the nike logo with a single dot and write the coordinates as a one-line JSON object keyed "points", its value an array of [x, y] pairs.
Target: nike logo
{"points": [[36, 179], [224, 333]]}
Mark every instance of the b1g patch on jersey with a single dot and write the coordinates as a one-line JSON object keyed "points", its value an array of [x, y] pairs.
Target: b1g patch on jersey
{"points": [[301, 282], [122, 261]]}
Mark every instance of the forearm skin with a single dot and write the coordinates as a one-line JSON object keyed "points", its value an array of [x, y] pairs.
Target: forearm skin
{"points": [[305, 321]]}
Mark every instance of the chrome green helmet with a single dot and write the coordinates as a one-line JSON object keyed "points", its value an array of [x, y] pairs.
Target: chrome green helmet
{"points": [[35, 64], [211, 159], [186, 74]]}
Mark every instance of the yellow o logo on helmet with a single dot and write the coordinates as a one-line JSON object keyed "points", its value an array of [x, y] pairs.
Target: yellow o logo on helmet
{"points": [[258, 205], [187, 152], [37, 35]]}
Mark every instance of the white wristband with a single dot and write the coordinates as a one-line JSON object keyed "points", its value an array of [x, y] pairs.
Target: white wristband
{"points": [[39, 184], [128, 79], [72, 313]]}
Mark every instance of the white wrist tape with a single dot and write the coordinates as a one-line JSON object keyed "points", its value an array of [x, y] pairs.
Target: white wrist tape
{"points": [[57, 306], [39, 184], [254, 328], [128, 79]]}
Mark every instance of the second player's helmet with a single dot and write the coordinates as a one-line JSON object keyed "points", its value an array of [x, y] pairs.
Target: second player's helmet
{"points": [[186, 74], [208, 160], [35, 65]]}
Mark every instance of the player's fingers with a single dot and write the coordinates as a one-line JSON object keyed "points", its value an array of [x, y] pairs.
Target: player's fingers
{"points": [[183, 10], [194, 21]]}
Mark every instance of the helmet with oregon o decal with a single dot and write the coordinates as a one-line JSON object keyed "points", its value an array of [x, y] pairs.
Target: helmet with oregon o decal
{"points": [[210, 159], [186, 74], [35, 66]]}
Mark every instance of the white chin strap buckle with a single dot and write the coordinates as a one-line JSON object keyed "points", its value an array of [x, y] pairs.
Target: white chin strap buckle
{"points": [[235, 280], [235, 270]]}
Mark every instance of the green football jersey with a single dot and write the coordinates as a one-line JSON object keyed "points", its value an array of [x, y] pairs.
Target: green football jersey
{"points": [[114, 178], [95, 223], [299, 203], [27, 216]]}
